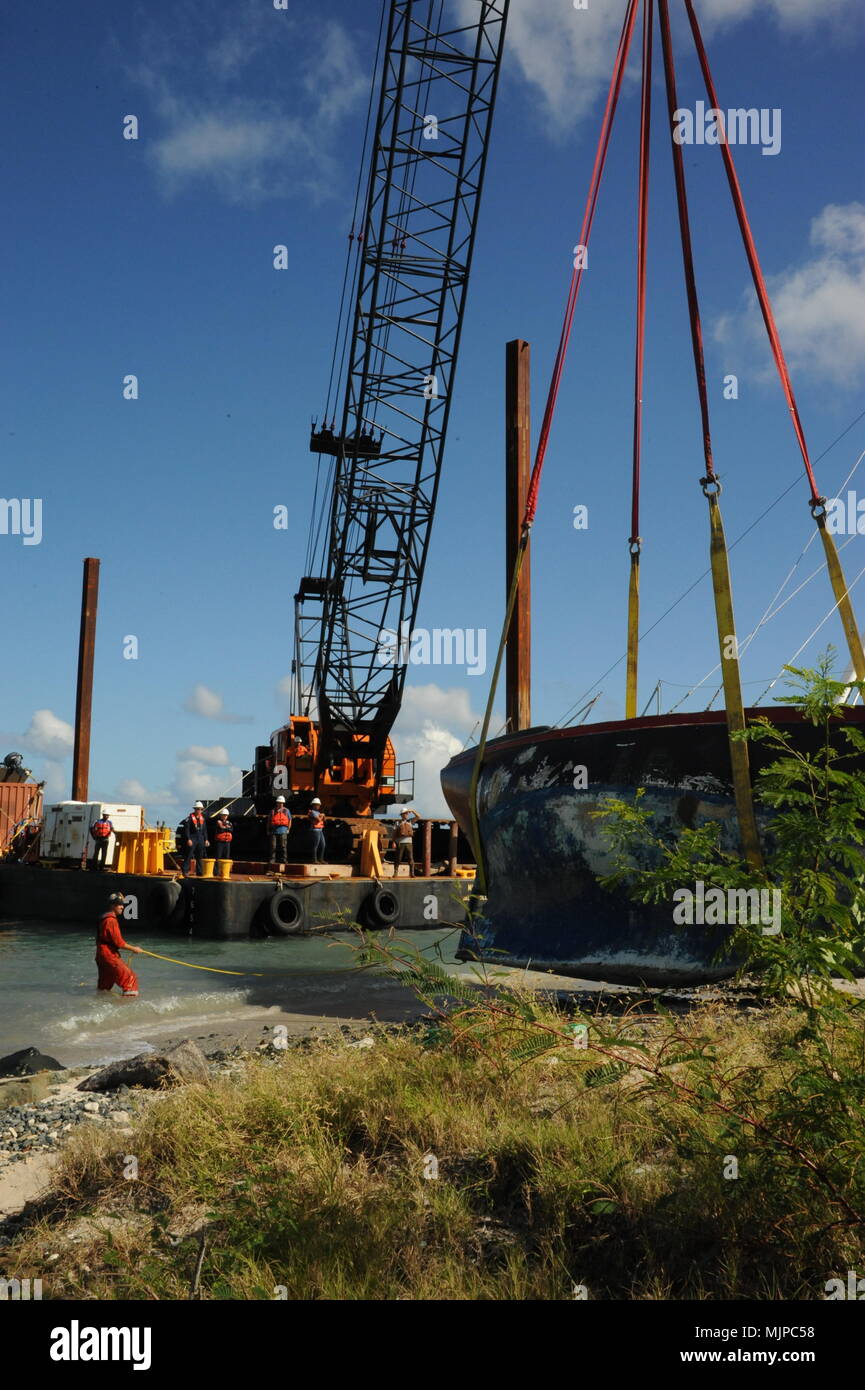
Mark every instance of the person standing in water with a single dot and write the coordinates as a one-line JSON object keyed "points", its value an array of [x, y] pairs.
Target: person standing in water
{"points": [[109, 943]]}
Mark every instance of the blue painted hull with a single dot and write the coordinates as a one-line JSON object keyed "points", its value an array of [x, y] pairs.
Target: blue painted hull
{"points": [[545, 853]]}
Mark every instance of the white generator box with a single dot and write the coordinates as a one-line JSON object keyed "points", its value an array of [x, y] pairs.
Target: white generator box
{"points": [[66, 827]]}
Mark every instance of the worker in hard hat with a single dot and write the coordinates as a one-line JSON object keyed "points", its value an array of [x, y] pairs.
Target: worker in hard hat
{"points": [[109, 943], [223, 834], [195, 835], [402, 838], [279, 824], [316, 829], [101, 831]]}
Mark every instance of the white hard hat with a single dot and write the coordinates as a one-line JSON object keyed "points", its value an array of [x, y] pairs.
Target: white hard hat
{"points": [[224, 811], [280, 798], [404, 810], [315, 801], [199, 806]]}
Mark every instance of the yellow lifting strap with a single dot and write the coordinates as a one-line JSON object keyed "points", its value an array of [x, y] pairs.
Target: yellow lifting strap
{"points": [[729, 649], [841, 592], [633, 632]]}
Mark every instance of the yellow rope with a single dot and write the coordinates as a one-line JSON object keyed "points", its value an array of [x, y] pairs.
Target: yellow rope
{"points": [[212, 968]]}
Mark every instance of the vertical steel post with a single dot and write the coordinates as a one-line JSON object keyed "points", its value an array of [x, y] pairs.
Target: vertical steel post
{"points": [[518, 677], [84, 696], [427, 848], [452, 848]]}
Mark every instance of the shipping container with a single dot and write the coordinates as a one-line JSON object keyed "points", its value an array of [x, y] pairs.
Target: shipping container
{"points": [[18, 800]]}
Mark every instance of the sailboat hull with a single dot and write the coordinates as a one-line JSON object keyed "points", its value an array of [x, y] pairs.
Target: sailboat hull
{"points": [[546, 853]]}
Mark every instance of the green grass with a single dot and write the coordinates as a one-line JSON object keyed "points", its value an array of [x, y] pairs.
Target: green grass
{"points": [[307, 1175]]}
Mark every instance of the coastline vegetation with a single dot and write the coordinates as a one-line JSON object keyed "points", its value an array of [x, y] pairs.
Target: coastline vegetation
{"points": [[509, 1147]]}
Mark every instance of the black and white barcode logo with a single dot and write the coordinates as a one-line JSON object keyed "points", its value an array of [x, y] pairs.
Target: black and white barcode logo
{"points": [[77, 1343]]}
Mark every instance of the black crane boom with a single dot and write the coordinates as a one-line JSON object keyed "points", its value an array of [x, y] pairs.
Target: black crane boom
{"points": [[438, 81]]}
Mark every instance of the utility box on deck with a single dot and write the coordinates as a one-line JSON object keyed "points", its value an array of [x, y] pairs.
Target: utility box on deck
{"points": [[66, 829]]}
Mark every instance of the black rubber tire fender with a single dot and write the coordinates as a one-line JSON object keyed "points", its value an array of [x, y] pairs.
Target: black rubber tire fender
{"points": [[285, 913], [163, 899], [383, 907]]}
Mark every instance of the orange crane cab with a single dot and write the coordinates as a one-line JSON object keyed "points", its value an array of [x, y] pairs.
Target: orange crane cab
{"points": [[347, 786]]}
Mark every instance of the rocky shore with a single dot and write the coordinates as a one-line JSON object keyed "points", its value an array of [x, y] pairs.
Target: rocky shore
{"points": [[40, 1109]]}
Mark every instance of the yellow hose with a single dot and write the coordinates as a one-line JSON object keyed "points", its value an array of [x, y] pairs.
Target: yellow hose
{"points": [[214, 970]]}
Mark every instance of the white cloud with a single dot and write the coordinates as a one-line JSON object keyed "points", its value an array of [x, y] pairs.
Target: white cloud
{"points": [[205, 144], [789, 14], [192, 782], [307, 79], [566, 55], [430, 748], [423, 704], [49, 735], [210, 705], [217, 756], [434, 724], [819, 305], [56, 779], [131, 790]]}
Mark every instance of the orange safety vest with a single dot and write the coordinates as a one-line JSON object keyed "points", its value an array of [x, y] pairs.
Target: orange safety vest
{"points": [[316, 820], [101, 829], [279, 818], [223, 833]]}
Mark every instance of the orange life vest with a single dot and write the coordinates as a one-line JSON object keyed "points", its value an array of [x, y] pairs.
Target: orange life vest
{"points": [[101, 829], [223, 833], [316, 820], [280, 818]]}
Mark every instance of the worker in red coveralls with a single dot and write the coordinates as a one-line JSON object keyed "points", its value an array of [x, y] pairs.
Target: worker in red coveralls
{"points": [[109, 943]]}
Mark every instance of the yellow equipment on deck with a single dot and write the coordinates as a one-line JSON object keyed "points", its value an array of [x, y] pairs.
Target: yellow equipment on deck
{"points": [[142, 851]]}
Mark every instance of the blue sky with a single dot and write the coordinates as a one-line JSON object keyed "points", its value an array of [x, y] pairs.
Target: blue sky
{"points": [[154, 257]]}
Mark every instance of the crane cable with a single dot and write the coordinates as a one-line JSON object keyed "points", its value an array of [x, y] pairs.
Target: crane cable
{"points": [[552, 397]]}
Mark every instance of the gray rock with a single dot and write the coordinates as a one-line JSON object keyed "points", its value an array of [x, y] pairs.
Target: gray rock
{"points": [[28, 1062], [180, 1064]]}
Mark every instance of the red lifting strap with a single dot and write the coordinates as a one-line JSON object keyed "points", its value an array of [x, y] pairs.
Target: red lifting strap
{"points": [[642, 233], [753, 258], [686, 240], [576, 278]]}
